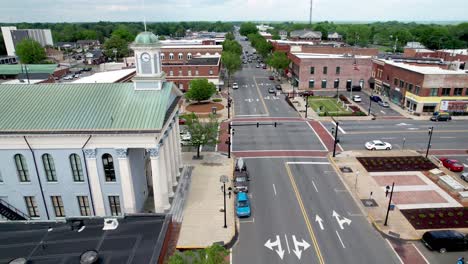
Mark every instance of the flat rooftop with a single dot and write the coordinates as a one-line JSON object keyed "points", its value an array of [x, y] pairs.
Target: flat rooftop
{"points": [[328, 56], [202, 61], [107, 77], [423, 69], [137, 239]]}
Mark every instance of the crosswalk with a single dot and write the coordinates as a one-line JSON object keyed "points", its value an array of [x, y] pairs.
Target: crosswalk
{"points": [[252, 100]]}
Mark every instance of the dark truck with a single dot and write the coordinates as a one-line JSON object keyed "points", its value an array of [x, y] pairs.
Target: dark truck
{"points": [[241, 177]]}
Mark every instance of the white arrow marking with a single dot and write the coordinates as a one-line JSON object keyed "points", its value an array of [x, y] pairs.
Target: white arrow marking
{"points": [[277, 243], [258, 99], [298, 244], [319, 221], [382, 112], [341, 221], [402, 124], [413, 128]]}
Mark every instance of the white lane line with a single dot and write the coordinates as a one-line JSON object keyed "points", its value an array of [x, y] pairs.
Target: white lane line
{"points": [[323, 144], [388, 138], [279, 150], [339, 128], [287, 243], [230, 256], [417, 249], [248, 221], [259, 115], [340, 239], [394, 251], [447, 137], [330, 136], [315, 187], [284, 157], [307, 162], [274, 189], [382, 112]]}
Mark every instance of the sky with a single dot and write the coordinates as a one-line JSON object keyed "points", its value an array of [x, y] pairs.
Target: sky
{"points": [[231, 10]]}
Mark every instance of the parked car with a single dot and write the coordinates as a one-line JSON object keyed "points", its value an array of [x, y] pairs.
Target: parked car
{"points": [[441, 116], [306, 93], [357, 98], [271, 77], [451, 164], [257, 66], [278, 87], [235, 86], [464, 176], [185, 138], [354, 88], [264, 67], [68, 77], [383, 104], [378, 145], [241, 181], [375, 98], [240, 165], [243, 205], [182, 121], [271, 90], [445, 240]]}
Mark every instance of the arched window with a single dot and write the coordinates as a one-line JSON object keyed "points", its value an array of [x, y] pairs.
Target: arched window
{"points": [[189, 56], [207, 53], [181, 56], [22, 168], [76, 168], [162, 56], [171, 56], [108, 165], [49, 167], [216, 53]]}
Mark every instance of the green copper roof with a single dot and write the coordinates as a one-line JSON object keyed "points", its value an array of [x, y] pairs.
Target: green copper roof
{"points": [[146, 38], [82, 107], [14, 69]]}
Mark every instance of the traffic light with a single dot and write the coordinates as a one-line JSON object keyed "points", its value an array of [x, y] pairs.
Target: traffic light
{"points": [[258, 124], [275, 124], [333, 131]]}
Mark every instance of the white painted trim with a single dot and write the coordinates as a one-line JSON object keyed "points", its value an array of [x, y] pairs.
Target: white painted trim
{"points": [[307, 162]]}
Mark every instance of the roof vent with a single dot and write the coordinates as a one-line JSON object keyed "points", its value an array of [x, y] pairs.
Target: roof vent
{"points": [[89, 257], [110, 224], [19, 261]]}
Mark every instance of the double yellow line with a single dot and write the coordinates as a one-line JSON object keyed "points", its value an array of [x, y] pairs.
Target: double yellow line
{"points": [[261, 96], [304, 214]]}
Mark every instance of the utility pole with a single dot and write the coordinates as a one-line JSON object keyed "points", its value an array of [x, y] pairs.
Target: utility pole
{"points": [[389, 204], [307, 105], [431, 129], [370, 103], [310, 12], [336, 139]]}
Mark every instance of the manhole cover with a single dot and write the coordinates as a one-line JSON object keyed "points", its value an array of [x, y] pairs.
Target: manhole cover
{"points": [[369, 202], [346, 169]]}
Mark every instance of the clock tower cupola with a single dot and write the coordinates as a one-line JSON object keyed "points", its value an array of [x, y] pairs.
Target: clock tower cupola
{"points": [[149, 74]]}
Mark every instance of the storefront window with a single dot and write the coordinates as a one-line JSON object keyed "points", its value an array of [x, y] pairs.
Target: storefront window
{"points": [[428, 108]]}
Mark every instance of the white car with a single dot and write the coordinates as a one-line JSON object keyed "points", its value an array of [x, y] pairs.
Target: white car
{"points": [[185, 138], [378, 145], [357, 98], [235, 86]]}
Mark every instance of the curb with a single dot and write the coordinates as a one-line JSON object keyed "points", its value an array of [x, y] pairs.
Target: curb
{"points": [[358, 202]]}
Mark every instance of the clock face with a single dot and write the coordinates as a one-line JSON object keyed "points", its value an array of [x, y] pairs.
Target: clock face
{"points": [[145, 57]]}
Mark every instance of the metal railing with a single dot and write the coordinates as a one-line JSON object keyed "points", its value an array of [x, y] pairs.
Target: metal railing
{"points": [[14, 209]]}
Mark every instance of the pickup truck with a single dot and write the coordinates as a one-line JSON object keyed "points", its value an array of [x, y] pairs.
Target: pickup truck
{"points": [[241, 177]]}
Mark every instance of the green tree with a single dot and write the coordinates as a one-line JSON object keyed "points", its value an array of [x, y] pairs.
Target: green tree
{"points": [[232, 46], [123, 33], [232, 63], [30, 52], [275, 37], [278, 61], [248, 28], [116, 43], [229, 36], [202, 133], [200, 90], [215, 254]]}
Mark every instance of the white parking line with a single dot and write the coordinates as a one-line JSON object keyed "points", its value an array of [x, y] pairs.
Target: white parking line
{"points": [[417, 249], [248, 221], [340, 239], [307, 162], [394, 251]]}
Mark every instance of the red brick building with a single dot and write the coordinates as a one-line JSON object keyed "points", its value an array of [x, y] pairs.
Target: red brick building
{"points": [[421, 86], [447, 55], [183, 63]]}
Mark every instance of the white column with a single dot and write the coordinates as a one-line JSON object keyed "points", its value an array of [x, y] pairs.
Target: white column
{"points": [[173, 156], [167, 165], [175, 149], [128, 191], [93, 176], [179, 147], [160, 191]]}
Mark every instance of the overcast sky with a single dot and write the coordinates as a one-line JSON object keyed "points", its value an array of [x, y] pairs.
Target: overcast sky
{"points": [[229, 10]]}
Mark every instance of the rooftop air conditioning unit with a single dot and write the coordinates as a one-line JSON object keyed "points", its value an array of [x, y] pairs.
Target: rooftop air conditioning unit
{"points": [[110, 224]]}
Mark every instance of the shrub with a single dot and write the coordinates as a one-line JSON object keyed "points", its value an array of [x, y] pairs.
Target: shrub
{"points": [[217, 100], [422, 216]]}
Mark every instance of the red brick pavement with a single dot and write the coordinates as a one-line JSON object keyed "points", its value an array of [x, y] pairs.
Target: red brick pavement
{"points": [[281, 153], [408, 253], [399, 180], [260, 119], [417, 197], [324, 135], [223, 136]]}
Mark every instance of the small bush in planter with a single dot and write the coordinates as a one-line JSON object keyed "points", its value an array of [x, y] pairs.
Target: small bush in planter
{"points": [[422, 216], [217, 100]]}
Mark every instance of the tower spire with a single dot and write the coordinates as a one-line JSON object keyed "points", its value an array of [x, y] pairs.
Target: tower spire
{"points": [[144, 16], [310, 12]]}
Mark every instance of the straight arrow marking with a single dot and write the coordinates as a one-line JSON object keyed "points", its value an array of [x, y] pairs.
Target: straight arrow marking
{"points": [[319, 221]]}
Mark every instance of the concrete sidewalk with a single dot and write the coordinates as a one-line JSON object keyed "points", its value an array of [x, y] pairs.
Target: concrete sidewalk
{"points": [[203, 218]]}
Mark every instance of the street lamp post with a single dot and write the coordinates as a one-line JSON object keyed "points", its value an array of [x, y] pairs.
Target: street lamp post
{"points": [[370, 103], [307, 104], [389, 204], [224, 179], [336, 139], [115, 54], [431, 129]]}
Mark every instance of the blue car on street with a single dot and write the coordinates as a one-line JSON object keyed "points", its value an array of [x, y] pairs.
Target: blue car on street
{"points": [[243, 205]]}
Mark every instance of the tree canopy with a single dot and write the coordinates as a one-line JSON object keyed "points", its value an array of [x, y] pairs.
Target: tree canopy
{"points": [[279, 61], [248, 28], [116, 43], [232, 62], [229, 36], [30, 52], [232, 46], [200, 90], [214, 254], [260, 44], [202, 133]]}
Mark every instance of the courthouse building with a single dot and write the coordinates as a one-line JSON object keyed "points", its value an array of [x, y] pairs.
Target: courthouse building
{"points": [[91, 149]]}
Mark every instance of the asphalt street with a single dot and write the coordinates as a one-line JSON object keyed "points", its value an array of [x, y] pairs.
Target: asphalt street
{"points": [[407, 134], [275, 138], [286, 199]]}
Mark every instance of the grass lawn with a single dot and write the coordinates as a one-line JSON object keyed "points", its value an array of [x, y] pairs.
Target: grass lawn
{"points": [[327, 104]]}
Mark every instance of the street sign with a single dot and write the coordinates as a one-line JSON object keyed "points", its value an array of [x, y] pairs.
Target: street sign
{"points": [[223, 178]]}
